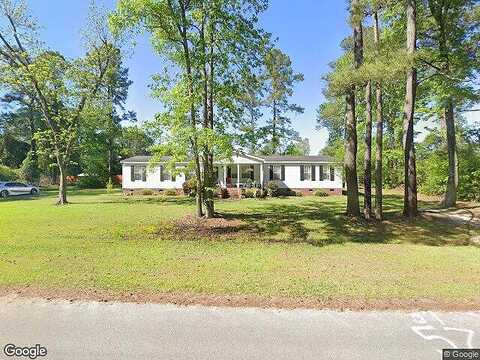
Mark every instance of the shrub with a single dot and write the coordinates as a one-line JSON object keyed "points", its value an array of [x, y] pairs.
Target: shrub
{"points": [[7, 174], [261, 193], [273, 189], [90, 182], [320, 193], [170, 192], [298, 193], [190, 187], [29, 170], [109, 186], [147, 192], [250, 193]]}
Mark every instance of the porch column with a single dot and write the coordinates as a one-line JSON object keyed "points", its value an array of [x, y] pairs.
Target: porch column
{"points": [[238, 180], [225, 175], [261, 175]]}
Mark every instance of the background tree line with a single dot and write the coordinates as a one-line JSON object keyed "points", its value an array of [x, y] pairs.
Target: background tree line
{"points": [[226, 85], [407, 62]]}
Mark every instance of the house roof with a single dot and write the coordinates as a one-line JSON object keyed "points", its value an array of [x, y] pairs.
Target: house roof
{"points": [[142, 159], [265, 158], [291, 158]]}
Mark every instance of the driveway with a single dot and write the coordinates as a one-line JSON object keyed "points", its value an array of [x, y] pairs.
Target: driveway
{"points": [[92, 330]]}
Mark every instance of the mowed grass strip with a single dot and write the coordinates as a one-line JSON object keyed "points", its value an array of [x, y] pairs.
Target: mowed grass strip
{"points": [[299, 247]]}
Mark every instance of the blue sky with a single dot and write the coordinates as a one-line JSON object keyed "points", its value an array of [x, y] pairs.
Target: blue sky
{"points": [[309, 31]]}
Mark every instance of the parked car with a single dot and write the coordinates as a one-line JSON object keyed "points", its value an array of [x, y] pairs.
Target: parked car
{"points": [[16, 188]]}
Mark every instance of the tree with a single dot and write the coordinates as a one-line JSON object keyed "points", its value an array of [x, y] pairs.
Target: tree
{"points": [[353, 207], [101, 131], [280, 80], [410, 193], [205, 41], [62, 88], [379, 127], [452, 66]]}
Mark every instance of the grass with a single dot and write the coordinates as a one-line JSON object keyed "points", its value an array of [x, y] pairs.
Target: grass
{"points": [[300, 247]]}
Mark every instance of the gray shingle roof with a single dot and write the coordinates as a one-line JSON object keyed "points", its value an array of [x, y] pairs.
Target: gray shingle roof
{"points": [[141, 159], [288, 158], [266, 158]]}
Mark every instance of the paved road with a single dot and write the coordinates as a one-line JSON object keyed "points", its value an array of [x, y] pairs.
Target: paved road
{"points": [[90, 330]]}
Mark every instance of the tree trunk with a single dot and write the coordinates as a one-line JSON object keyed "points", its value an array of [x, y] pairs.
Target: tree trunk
{"points": [[441, 16], [275, 141], [33, 145], [208, 67], [62, 188], [193, 118], [410, 193], [379, 135], [367, 207], [353, 207], [450, 196], [110, 155]]}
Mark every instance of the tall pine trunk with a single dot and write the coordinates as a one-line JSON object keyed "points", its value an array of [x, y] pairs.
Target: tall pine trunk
{"points": [[367, 206], [441, 16], [450, 196], [351, 178], [410, 193], [379, 135]]}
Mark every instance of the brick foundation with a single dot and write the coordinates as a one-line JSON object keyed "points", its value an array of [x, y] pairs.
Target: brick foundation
{"points": [[155, 191], [233, 192], [308, 192]]}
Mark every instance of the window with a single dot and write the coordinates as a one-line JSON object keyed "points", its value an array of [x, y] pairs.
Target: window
{"points": [[138, 173], [248, 172], [307, 172], [332, 173], [323, 173], [165, 175], [277, 172]]}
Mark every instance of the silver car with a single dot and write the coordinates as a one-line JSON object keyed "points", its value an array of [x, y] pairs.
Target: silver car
{"points": [[15, 188]]}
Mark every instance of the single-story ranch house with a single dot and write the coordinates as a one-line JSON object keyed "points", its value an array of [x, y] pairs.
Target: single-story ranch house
{"points": [[300, 173]]}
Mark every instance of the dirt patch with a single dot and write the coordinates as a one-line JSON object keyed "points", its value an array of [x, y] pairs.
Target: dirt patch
{"points": [[342, 304], [202, 227]]}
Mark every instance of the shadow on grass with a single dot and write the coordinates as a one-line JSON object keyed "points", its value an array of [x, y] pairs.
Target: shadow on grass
{"points": [[19, 198], [160, 199], [323, 223]]}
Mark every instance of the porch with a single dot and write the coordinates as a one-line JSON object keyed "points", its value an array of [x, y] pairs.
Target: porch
{"points": [[240, 176]]}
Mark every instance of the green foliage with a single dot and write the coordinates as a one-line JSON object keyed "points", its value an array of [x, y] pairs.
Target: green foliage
{"points": [[29, 169], [320, 193], [109, 186], [280, 80], [433, 173], [7, 174], [273, 188], [190, 187], [261, 193], [170, 192], [249, 193], [90, 182], [147, 192]]}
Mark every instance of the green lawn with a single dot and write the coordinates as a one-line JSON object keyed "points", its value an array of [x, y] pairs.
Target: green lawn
{"points": [[294, 247]]}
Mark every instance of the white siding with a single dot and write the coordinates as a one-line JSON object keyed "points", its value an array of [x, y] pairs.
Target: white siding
{"points": [[153, 179], [292, 178]]}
